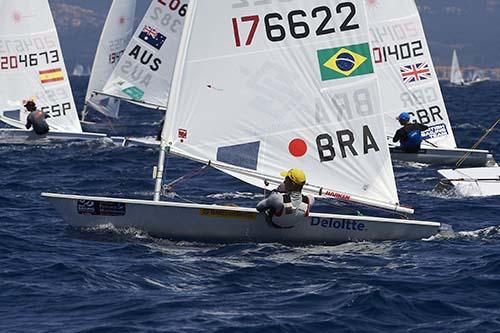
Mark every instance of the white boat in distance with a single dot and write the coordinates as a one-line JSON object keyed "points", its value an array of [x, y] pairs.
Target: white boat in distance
{"points": [[216, 118], [457, 78], [472, 182], [80, 70], [35, 69]]}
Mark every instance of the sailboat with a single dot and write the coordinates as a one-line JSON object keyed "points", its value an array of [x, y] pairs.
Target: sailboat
{"points": [[475, 182], [409, 83], [252, 103], [481, 181], [144, 72], [32, 67], [456, 76], [79, 70], [115, 36]]}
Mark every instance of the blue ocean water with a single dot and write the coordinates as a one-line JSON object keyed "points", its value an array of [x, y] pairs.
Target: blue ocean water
{"points": [[57, 279]]}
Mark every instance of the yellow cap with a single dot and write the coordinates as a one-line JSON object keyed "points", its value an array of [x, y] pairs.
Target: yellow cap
{"points": [[296, 175]]}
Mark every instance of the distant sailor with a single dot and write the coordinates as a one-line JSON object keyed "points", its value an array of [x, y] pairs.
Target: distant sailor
{"points": [[410, 135], [36, 118], [287, 206]]}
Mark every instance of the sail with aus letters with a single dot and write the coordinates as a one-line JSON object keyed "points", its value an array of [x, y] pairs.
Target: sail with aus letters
{"points": [[144, 73], [32, 66]]}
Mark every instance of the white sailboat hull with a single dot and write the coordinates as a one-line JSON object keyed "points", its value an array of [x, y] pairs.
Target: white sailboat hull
{"points": [[13, 136], [473, 181], [444, 157], [221, 224]]}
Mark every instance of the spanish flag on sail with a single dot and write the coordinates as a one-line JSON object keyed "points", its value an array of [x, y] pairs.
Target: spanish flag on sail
{"points": [[346, 61], [51, 75]]}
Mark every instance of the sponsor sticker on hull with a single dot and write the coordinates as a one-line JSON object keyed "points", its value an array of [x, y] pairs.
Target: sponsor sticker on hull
{"points": [[228, 214], [101, 208], [328, 223]]}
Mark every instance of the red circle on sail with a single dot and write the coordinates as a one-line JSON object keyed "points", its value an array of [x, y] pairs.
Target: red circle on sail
{"points": [[297, 147]]}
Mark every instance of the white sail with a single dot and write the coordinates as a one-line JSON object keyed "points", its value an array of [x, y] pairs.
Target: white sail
{"points": [[408, 80], [115, 36], [144, 72], [32, 66], [456, 76], [281, 85]]}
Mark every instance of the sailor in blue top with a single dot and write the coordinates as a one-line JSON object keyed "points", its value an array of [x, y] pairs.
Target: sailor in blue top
{"points": [[410, 135]]}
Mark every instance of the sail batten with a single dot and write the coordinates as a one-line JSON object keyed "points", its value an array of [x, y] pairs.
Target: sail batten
{"points": [[33, 66], [132, 101], [306, 98]]}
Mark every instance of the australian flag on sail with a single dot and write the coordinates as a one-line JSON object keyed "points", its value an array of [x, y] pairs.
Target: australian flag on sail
{"points": [[152, 37], [415, 73]]}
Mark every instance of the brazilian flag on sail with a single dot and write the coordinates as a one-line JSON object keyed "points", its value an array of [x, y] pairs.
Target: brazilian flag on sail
{"points": [[346, 61]]}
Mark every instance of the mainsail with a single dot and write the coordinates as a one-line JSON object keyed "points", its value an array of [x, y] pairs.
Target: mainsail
{"points": [[114, 39], [456, 76], [144, 72], [408, 80], [281, 85], [32, 66]]}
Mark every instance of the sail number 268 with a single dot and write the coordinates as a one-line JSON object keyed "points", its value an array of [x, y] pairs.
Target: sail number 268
{"points": [[278, 26]]}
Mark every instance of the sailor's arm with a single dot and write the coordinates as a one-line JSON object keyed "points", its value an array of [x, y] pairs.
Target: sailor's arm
{"points": [[274, 201], [397, 136], [28, 123]]}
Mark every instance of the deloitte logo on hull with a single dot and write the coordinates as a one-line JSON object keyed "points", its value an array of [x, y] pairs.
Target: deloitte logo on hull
{"points": [[337, 224]]}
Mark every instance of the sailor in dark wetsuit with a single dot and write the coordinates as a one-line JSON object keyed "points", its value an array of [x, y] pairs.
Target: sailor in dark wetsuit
{"points": [[410, 135], [36, 118]]}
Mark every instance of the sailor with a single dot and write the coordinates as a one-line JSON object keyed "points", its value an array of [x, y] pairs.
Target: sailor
{"points": [[287, 206], [36, 118], [410, 135]]}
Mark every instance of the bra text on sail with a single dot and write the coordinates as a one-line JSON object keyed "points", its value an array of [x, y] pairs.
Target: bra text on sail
{"points": [[345, 139]]}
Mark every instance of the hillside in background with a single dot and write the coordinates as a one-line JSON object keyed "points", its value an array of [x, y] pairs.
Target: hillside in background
{"points": [[467, 25]]}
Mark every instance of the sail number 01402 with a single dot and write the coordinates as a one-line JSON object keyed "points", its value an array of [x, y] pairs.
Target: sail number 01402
{"points": [[275, 23]]}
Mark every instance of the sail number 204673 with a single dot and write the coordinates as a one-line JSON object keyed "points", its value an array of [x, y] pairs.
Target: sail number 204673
{"points": [[278, 26]]}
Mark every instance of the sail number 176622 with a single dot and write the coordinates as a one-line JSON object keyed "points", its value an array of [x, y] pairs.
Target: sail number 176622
{"points": [[279, 26]]}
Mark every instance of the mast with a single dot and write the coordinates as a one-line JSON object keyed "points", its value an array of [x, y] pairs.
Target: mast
{"points": [[174, 95]]}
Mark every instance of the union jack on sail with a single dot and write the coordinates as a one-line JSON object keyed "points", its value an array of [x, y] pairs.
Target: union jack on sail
{"points": [[415, 73]]}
